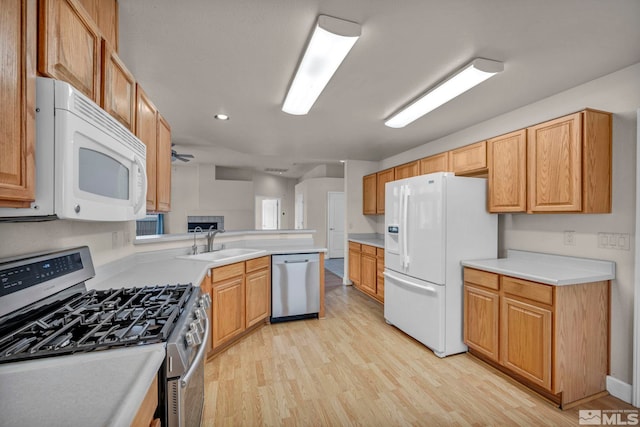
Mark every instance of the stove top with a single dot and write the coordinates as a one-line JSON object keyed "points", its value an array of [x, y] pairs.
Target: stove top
{"points": [[97, 320]]}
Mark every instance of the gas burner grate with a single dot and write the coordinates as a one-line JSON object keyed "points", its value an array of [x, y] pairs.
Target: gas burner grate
{"points": [[99, 320]]}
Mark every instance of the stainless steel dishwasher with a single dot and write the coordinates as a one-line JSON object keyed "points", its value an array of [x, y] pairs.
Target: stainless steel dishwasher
{"points": [[295, 286]]}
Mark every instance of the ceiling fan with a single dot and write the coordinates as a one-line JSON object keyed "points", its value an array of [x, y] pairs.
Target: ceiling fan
{"points": [[179, 156]]}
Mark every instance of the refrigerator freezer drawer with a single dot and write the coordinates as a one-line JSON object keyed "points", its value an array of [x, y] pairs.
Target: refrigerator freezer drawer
{"points": [[295, 286]]}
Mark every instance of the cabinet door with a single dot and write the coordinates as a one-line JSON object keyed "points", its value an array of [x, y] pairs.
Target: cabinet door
{"points": [[507, 158], [368, 273], [369, 194], [354, 266], [380, 274], [228, 309], [17, 103], [437, 163], [258, 289], [407, 170], [384, 176], [525, 340], [163, 166], [118, 88], [146, 130], [555, 166], [69, 47], [469, 160], [481, 320]]}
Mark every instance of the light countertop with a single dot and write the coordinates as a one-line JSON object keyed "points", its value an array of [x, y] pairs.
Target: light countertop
{"points": [[101, 388], [554, 270], [376, 240]]}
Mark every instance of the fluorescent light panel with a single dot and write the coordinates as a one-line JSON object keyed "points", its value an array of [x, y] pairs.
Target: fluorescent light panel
{"points": [[461, 81], [330, 43]]}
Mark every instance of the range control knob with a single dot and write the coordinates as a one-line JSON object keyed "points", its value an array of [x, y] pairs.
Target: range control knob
{"points": [[197, 328], [205, 301], [200, 314], [189, 338]]}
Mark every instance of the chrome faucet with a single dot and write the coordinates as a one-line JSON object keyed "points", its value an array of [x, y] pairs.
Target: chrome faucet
{"points": [[194, 248], [210, 235]]}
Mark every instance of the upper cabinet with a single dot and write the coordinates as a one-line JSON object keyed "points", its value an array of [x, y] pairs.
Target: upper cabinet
{"points": [[105, 14], [118, 88], [569, 164], [407, 170], [469, 160], [147, 131], [163, 167], [384, 176], [507, 158], [436, 163], [17, 103], [70, 46], [369, 194]]}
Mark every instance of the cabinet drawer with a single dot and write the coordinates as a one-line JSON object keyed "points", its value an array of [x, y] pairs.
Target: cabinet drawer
{"points": [[380, 253], [354, 246], [257, 263], [231, 270], [530, 290], [371, 250], [481, 278]]}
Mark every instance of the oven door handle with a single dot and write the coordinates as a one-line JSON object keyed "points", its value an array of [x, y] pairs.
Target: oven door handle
{"points": [[199, 355]]}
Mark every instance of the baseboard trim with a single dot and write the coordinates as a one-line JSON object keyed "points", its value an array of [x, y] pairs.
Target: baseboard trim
{"points": [[619, 389]]}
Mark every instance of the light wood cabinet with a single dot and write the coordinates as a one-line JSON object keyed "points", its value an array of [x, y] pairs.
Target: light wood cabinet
{"points": [[147, 131], [354, 263], [469, 160], [369, 194], [366, 269], [69, 46], [163, 165], [435, 163], [380, 274], [258, 290], [147, 409], [368, 266], [407, 170], [118, 88], [17, 102], [569, 164], [554, 339], [241, 300], [384, 176], [228, 303], [507, 181], [105, 15]]}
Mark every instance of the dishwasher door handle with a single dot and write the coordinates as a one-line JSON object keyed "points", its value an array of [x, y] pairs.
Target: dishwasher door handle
{"points": [[296, 262]]}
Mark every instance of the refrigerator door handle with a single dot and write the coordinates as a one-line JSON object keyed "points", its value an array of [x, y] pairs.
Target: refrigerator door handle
{"points": [[426, 289], [405, 251]]}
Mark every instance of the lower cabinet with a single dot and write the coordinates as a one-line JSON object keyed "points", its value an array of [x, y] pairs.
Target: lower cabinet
{"points": [[366, 268], [554, 339], [240, 299]]}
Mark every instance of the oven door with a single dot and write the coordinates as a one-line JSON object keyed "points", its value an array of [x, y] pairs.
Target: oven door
{"points": [[185, 394], [98, 177]]}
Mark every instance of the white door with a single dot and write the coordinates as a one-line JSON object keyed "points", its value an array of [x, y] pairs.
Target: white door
{"points": [[335, 224], [270, 214], [299, 211]]}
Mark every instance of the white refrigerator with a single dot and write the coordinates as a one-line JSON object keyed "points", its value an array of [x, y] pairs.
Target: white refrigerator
{"points": [[432, 222]]}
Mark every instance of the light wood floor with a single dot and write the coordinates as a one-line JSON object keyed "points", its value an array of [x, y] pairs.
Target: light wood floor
{"points": [[351, 368]]}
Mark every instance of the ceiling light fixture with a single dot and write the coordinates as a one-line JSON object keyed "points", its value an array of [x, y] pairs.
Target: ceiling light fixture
{"points": [[331, 41], [221, 117], [470, 75]]}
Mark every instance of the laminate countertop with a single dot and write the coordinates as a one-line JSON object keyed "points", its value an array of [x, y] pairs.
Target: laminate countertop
{"points": [[376, 240], [556, 270], [100, 388]]}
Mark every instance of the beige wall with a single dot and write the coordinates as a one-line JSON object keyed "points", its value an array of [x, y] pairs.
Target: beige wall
{"points": [[618, 93], [314, 192]]}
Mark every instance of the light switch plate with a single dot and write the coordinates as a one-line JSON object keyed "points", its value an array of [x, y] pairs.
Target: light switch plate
{"points": [[623, 242]]}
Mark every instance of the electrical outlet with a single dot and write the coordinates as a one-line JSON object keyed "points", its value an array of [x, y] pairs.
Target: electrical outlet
{"points": [[603, 240], [570, 238], [114, 240], [612, 242], [127, 236]]}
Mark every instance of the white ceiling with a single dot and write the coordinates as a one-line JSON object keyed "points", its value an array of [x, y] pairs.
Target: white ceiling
{"points": [[196, 58]]}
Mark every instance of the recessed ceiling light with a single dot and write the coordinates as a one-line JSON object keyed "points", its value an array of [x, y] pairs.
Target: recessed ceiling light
{"points": [[221, 117]]}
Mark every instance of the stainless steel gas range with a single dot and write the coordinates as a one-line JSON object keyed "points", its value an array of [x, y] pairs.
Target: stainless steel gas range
{"points": [[46, 311]]}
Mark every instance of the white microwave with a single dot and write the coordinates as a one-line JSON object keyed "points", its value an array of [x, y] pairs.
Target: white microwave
{"points": [[89, 167]]}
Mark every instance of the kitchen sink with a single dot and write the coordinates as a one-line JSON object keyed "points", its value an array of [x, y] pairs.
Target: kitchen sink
{"points": [[225, 255]]}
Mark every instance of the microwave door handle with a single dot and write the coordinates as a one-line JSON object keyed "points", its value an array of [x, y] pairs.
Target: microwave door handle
{"points": [[142, 195]]}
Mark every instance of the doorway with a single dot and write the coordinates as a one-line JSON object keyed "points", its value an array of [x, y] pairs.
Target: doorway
{"points": [[269, 213], [335, 224]]}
